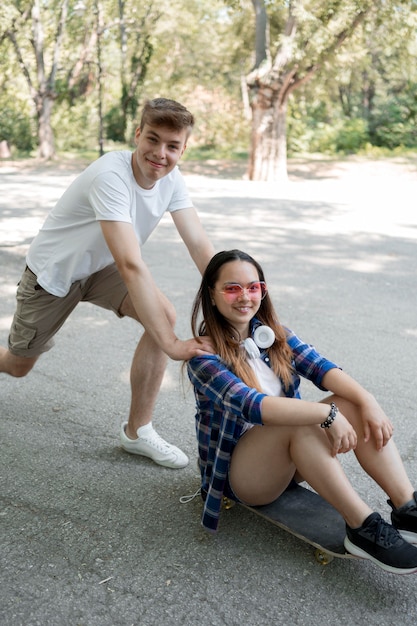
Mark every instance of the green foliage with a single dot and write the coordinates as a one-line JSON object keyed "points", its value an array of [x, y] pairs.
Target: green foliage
{"points": [[394, 123], [16, 128], [205, 153], [351, 136], [314, 126], [196, 52], [75, 127], [392, 135], [213, 129], [115, 123]]}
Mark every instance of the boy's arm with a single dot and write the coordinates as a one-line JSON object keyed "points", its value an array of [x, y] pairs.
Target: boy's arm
{"points": [[123, 244], [194, 236]]}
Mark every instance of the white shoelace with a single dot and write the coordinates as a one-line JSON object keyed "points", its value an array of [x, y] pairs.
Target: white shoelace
{"points": [[157, 442], [190, 497]]}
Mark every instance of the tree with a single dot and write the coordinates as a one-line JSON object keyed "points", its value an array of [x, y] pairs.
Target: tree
{"points": [[195, 61], [65, 50], [130, 27], [135, 57], [310, 34], [330, 68], [26, 24]]}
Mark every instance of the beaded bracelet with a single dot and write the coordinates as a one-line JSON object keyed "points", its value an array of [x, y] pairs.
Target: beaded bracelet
{"points": [[329, 421]]}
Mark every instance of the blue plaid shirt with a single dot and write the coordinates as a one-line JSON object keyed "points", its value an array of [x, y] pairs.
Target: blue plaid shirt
{"points": [[225, 405]]}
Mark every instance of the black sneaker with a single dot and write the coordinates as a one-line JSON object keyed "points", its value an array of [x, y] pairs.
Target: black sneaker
{"points": [[382, 544], [404, 519]]}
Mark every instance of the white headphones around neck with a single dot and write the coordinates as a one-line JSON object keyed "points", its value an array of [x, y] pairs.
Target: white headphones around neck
{"points": [[263, 337]]}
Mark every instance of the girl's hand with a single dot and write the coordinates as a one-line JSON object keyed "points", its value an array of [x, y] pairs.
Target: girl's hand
{"points": [[341, 435], [375, 424]]}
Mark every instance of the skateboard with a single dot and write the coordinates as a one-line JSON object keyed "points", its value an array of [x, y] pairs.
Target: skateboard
{"points": [[305, 514]]}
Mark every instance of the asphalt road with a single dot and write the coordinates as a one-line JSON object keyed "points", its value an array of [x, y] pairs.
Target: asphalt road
{"points": [[90, 536]]}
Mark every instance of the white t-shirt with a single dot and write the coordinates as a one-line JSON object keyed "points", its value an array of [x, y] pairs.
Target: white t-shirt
{"points": [[70, 245], [269, 381]]}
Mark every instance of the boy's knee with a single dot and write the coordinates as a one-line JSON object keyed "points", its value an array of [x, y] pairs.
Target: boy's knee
{"points": [[20, 366], [20, 371]]}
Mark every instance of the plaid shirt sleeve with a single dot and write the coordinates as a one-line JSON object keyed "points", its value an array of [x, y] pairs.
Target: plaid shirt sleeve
{"points": [[221, 398], [308, 362], [219, 385]]}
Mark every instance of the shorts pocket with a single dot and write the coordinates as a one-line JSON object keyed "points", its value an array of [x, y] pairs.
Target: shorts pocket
{"points": [[20, 337]]}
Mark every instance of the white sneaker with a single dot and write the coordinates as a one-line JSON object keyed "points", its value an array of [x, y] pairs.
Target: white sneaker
{"points": [[151, 445]]}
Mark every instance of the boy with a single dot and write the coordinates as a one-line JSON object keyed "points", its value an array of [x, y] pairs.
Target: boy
{"points": [[89, 249]]}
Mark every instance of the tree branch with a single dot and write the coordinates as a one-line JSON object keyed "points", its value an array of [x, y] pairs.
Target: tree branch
{"points": [[57, 47], [262, 53], [25, 69], [10, 33], [327, 52], [37, 43]]}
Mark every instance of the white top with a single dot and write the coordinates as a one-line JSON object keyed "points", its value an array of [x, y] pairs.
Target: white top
{"points": [[269, 381], [70, 245]]}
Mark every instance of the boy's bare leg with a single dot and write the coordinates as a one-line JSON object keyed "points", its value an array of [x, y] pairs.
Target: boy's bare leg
{"points": [[13, 365], [146, 374], [147, 371]]}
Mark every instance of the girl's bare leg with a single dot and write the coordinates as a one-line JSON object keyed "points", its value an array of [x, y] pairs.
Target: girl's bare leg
{"points": [[266, 458], [384, 466]]}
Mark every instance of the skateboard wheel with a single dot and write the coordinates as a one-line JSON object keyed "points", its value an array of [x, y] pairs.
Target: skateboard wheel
{"points": [[228, 503], [323, 557]]}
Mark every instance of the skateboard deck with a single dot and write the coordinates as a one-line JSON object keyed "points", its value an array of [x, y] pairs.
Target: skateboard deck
{"points": [[305, 514]]}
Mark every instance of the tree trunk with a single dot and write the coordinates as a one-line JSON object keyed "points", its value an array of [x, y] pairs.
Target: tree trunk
{"points": [[268, 154], [46, 136], [268, 85], [271, 84]]}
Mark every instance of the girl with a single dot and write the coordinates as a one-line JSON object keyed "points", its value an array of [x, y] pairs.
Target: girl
{"points": [[255, 434]]}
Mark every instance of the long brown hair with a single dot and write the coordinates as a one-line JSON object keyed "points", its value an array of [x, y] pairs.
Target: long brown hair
{"points": [[226, 339]]}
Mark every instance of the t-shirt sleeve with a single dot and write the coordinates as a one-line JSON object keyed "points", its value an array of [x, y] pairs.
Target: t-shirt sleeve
{"points": [[180, 198], [109, 196]]}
